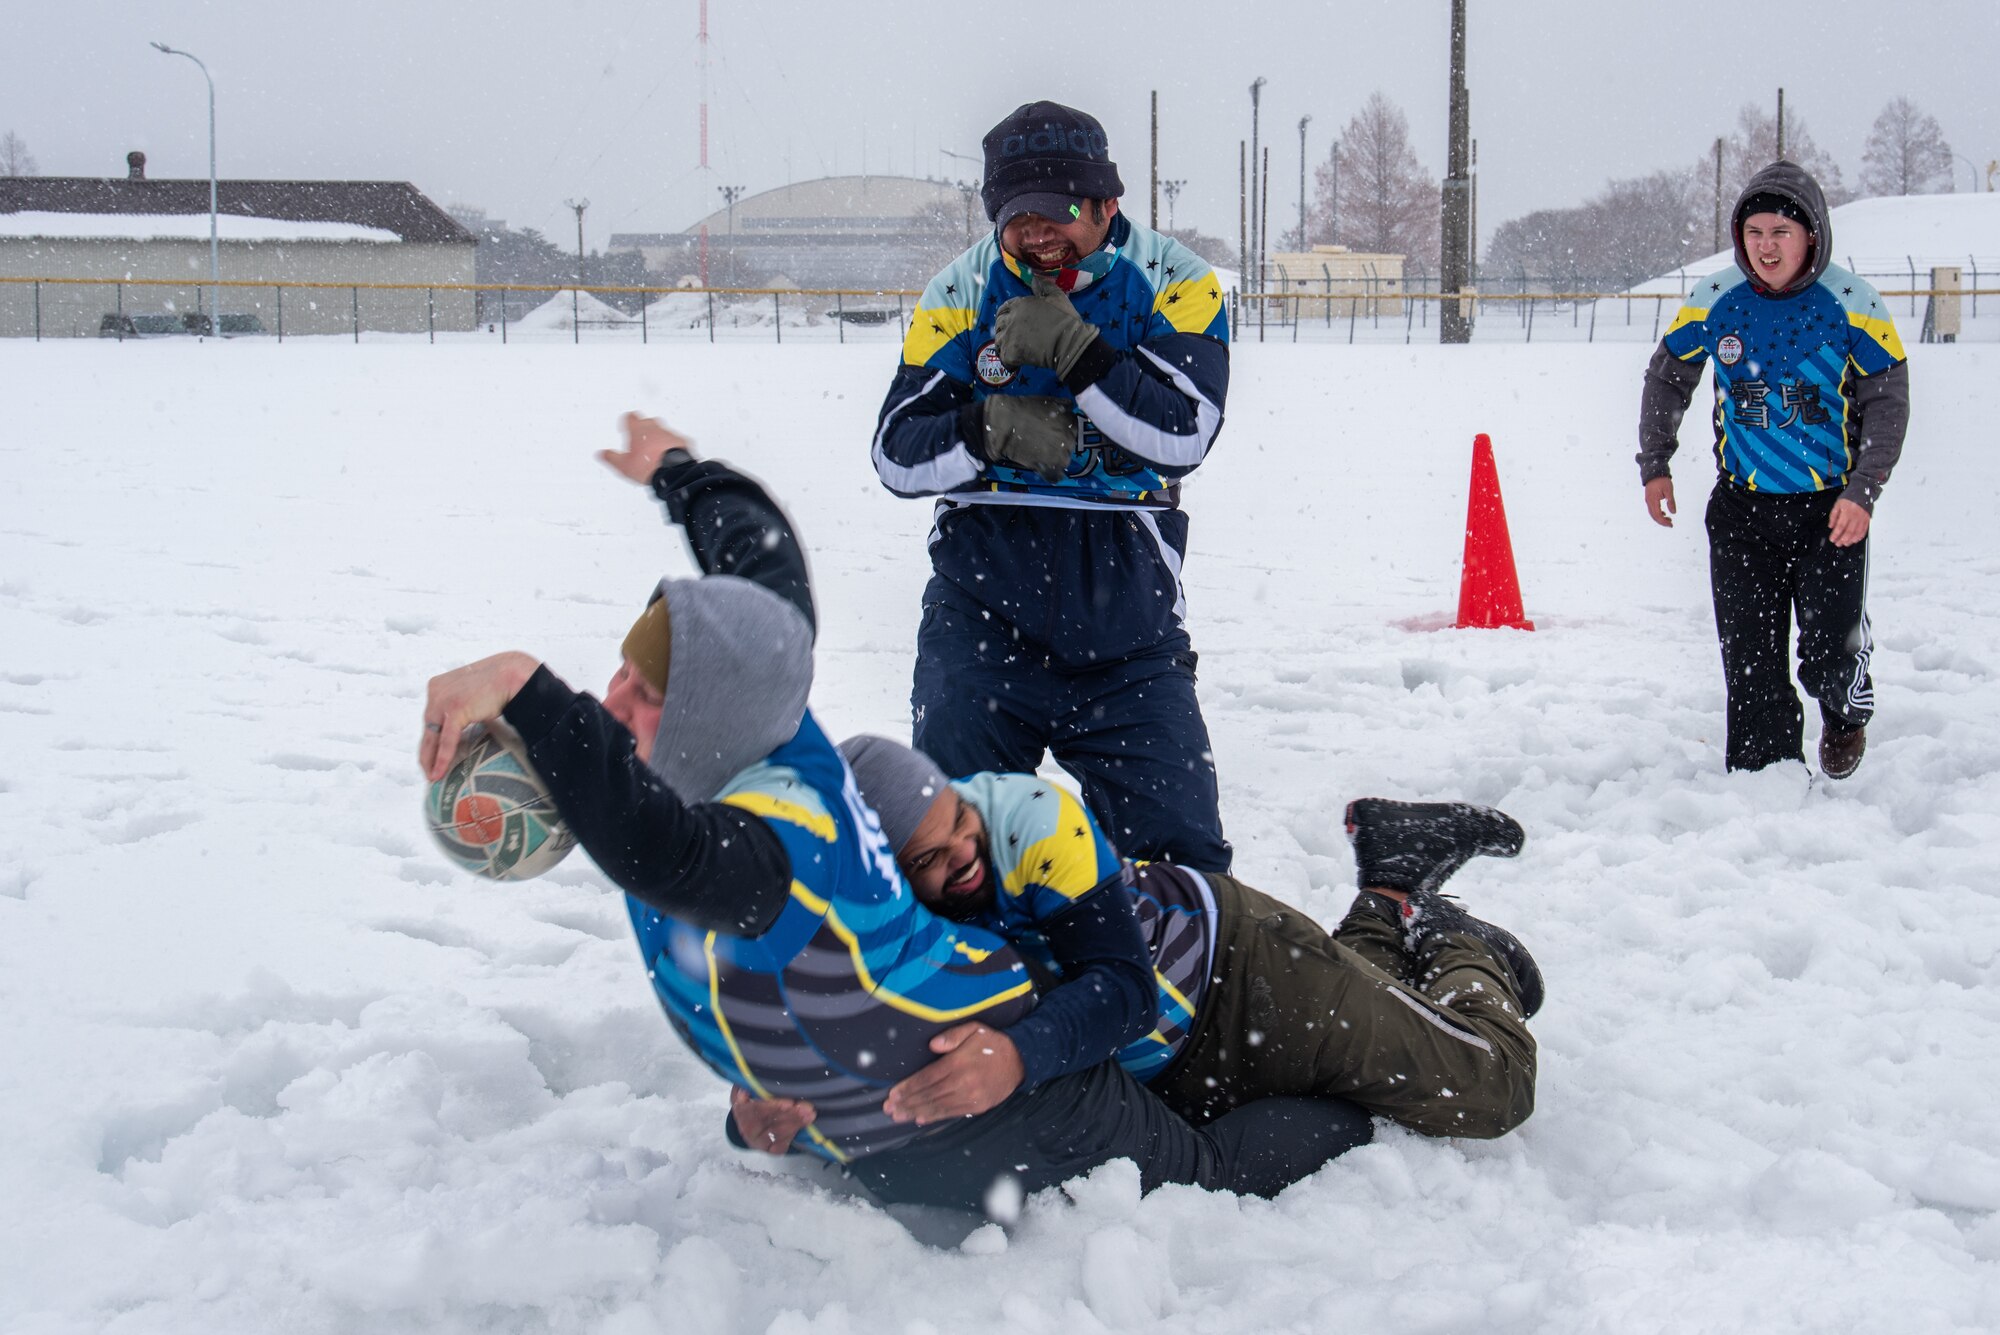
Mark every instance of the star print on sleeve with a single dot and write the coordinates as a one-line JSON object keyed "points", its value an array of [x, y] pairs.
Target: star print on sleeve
{"points": [[950, 289]]}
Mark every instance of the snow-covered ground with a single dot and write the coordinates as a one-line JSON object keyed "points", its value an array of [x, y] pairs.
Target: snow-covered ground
{"points": [[267, 1064]]}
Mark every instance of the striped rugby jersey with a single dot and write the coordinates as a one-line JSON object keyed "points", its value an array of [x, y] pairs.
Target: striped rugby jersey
{"points": [[840, 997]]}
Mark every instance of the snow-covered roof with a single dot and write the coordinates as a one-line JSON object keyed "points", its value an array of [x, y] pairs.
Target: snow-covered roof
{"points": [[182, 227], [380, 210]]}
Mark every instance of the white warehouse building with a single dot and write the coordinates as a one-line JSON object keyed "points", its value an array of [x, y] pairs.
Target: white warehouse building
{"points": [[130, 256]]}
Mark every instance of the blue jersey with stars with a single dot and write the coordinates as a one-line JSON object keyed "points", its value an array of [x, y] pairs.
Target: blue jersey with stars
{"points": [[1785, 368]]}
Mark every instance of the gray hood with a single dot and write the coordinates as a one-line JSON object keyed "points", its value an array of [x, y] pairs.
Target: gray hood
{"points": [[736, 690], [1796, 184]]}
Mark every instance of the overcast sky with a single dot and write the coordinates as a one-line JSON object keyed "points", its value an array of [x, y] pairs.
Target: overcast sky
{"points": [[517, 105]]}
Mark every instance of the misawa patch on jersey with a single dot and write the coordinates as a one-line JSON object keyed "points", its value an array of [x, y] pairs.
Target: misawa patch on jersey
{"points": [[1730, 350], [990, 368]]}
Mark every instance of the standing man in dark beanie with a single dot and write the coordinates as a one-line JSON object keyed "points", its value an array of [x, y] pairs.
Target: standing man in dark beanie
{"points": [[1812, 396], [1059, 380]]}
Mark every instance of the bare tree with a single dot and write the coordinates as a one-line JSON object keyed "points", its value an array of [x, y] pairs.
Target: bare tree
{"points": [[1906, 153], [1387, 203], [1754, 147], [15, 159], [1633, 230]]}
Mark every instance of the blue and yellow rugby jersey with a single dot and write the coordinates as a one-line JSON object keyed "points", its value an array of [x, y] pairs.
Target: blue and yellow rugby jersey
{"points": [[1151, 392], [1786, 368], [840, 997], [1048, 853]]}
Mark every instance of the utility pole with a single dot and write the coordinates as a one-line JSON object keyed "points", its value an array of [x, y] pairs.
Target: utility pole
{"points": [[576, 293], [214, 246], [1153, 218], [1453, 324], [1333, 212], [1718, 192], [1305, 242], [1242, 211], [1781, 124], [1256, 235], [1172, 189]]}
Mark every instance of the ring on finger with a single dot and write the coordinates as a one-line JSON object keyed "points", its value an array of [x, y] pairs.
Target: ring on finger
{"points": [[433, 727]]}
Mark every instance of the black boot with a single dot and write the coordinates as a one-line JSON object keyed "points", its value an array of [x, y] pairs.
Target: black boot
{"points": [[1429, 918], [1411, 846]]}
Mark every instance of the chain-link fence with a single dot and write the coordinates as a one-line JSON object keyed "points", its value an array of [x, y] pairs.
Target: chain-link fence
{"points": [[1929, 306]]}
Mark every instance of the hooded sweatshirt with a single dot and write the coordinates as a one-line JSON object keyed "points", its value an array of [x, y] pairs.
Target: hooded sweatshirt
{"points": [[784, 946], [1811, 386]]}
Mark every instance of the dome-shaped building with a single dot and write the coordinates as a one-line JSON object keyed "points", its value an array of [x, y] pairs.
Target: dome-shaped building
{"points": [[858, 233]]}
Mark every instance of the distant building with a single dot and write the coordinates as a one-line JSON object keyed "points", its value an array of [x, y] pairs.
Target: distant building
{"points": [[857, 233], [278, 234], [1334, 276]]}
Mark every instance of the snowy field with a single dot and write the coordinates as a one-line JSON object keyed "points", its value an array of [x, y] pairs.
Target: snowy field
{"points": [[268, 1065]]}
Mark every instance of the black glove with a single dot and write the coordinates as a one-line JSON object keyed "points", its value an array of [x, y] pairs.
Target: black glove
{"points": [[1027, 431], [1042, 330]]}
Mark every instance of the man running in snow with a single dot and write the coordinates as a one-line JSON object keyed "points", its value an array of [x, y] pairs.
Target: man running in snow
{"points": [[1812, 396], [1414, 1009], [1059, 380], [785, 947]]}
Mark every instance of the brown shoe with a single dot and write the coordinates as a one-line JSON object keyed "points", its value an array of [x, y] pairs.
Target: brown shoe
{"points": [[1840, 749]]}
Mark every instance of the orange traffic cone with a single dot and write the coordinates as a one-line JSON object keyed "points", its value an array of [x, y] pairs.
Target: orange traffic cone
{"points": [[1489, 592]]}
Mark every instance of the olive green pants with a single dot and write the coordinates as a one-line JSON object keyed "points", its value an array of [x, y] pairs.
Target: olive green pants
{"points": [[1291, 1009]]}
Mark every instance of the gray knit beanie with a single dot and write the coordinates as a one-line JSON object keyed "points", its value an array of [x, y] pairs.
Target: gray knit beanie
{"points": [[741, 668], [898, 782]]}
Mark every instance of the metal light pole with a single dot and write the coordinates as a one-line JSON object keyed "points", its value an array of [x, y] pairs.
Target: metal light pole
{"points": [[576, 293], [1257, 221], [730, 194], [1971, 169], [1172, 190], [214, 249], [1305, 242]]}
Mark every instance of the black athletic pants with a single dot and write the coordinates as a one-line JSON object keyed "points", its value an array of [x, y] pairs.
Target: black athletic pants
{"points": [[1768, 555], [1067, 1126]]}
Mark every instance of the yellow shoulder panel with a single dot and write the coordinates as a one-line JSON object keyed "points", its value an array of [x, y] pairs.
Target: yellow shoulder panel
{"points": [[930, 329], [1190, 307], [772, 808], [1066, 861], [1882, 331]]}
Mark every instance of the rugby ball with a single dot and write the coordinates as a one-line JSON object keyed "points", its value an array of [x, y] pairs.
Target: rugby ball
{"points": [[491, 813]]}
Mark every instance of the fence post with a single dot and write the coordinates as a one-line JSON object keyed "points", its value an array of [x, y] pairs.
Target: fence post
{"points": [[901, 333], [120, 287], [357, 312], [431, 311], [1593, 324], [503, 317], [38, 311], [1295, 317], [1329, 293], [1351, 308], [281, 315], [1409, 313], [1975, 285], [1911, 261], [1531, 324], [1656, 317], [711, 313], [839, 318], [777, 318], [643, 303]]}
